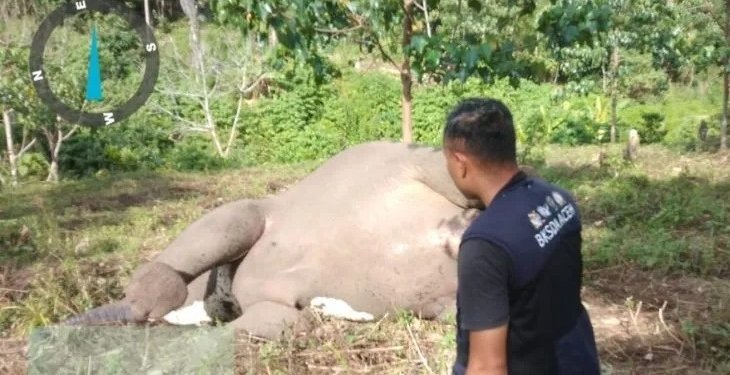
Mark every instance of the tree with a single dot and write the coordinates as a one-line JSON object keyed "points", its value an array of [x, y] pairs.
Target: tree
{"points": [[216, 71], [16, 98], [399, 30], [591, 37], [716, 13]]}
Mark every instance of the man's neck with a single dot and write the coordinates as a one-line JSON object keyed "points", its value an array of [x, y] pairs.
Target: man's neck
{"points": [[494, 179]]}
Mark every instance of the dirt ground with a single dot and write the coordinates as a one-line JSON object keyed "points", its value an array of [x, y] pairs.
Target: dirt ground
{"points": [[636, 315]]}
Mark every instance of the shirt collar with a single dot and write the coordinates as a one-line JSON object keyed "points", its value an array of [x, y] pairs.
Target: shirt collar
{"points": [[516, 179]]}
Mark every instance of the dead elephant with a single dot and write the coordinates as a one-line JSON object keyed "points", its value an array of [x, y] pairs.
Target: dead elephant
{"points": [[377, 226]]}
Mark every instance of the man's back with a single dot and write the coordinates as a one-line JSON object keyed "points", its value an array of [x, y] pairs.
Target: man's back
{"points": [[532, 229]]}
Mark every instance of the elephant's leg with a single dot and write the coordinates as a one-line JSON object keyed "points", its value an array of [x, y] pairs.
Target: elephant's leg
{"points": [[448, 314], [220, 236], [209, 298], [271, 319], [439, 309], [197, 288], [220, 304]]}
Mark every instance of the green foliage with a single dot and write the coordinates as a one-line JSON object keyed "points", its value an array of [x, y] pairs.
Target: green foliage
{"points": [[194, 153], [639, 79], [132, 145], [364, 107], [711, 338], [285, 128], [34, 165], [652, 128], [635, 204]]}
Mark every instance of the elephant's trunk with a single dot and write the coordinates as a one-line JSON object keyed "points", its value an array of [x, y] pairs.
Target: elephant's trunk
{"points": [[112, 313]]}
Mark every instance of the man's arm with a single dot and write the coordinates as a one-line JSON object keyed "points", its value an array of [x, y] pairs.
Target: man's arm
{"points": [[488, 352], [483, 286]]}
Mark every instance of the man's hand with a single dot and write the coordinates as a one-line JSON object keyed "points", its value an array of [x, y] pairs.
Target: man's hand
{"points": [[488, 352]]}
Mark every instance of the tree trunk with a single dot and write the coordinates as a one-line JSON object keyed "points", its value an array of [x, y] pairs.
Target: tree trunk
{"points": [[53, 170], [614, 90], [723, 129], [10, 147], [406, 78], [725, 81], [53, 143], [273, 38], [614, 104], [147, 12], [55, 139]]}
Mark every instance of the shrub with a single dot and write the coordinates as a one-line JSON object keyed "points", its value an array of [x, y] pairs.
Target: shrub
{"points": [[194, 153], [34, 165], [652, 128], [138, 143]]}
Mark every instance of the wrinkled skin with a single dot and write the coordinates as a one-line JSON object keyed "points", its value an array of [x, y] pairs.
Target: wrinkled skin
{"points": [[377, 226]]}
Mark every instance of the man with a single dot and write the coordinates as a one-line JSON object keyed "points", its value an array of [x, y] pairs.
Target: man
{"points": [[519, 309]]}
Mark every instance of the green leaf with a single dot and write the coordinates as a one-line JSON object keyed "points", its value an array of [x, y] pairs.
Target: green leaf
{"points": [[485, 51], [474, 5], [433, 58], [419, 42]]}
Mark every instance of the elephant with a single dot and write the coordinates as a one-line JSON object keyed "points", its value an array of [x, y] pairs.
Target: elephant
{"points": [[376, 226]]}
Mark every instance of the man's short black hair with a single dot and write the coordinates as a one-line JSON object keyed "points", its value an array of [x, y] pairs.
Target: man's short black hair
{"points": [[486, 129]]}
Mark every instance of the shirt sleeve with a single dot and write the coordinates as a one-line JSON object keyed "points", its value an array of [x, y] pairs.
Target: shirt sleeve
{"points": [[483, 274]]}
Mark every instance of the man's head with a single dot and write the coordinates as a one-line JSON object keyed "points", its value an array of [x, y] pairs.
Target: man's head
{"points": [[479, 142]]}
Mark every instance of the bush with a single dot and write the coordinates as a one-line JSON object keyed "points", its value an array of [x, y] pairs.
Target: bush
{"points": [[365, 107], [34, 165], [135, 144], [194, 153], [652, 127]]}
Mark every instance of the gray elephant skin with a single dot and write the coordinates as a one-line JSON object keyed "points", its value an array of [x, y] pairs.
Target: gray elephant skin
{"points": [[377, 226]]}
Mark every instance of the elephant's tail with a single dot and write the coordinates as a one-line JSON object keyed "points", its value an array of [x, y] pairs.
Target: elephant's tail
{"points": [[109, 314]]}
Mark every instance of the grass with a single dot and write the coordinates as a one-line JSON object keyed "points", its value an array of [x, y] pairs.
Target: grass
{"points": [[656, 262]]}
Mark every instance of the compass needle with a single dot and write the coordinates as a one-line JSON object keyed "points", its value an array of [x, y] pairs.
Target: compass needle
{"points": [[93, 80]]}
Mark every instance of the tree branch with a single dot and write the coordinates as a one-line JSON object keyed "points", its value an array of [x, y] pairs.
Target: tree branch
{"points": [[70, 133], [715, 15], [253, 85], [385, 55], [192, 124], [424, 8], [180, 93], [26, 148], [338, 31]]}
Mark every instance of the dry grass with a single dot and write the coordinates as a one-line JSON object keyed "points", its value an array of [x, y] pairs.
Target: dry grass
{"points": [[76, 251], [636, 315]]}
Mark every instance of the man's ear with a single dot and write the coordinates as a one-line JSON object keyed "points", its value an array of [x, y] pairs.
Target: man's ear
{"points": [[461, 162]]}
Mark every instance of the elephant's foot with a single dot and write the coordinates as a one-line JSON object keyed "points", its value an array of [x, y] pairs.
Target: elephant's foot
{"points": [[271, 320], [155, 290]]}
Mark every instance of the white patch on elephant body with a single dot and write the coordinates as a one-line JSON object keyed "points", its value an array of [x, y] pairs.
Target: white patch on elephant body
{"points": [[193, 314], [436, 238], [446, 240], [339, 309], [400, 248]]}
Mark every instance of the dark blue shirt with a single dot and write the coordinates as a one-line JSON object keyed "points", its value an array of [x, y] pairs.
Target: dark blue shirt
{"points": [[521, 265]]}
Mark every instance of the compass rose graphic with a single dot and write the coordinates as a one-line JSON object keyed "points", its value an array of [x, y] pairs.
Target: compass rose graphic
{"points": [[94, 88]]}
